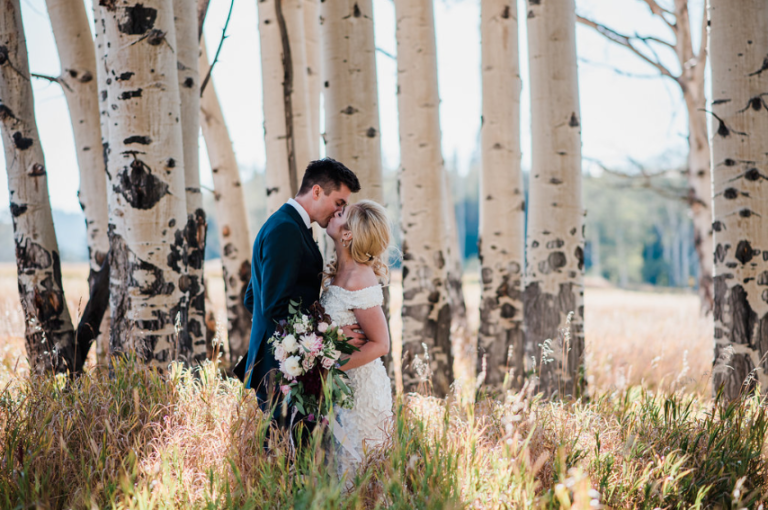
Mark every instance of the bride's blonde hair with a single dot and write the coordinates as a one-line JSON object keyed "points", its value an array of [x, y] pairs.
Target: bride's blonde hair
{"points": [[371, 235]]}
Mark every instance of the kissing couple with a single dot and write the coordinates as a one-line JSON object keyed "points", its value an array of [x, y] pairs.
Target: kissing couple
{"points": [[287, 266]]}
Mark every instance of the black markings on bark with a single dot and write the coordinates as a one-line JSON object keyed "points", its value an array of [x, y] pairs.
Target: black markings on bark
{"points": [[128, 94], [139, 187], [731, 193], [745, 213], [155, 37], [752, 174], [137, 20], [764, 67], [349, 110], [125, 76], [371, 133], [579, 253], [439, 259], [5, 112], [574, 122], [555, 180], [717, 226], [556, 260], [177, 256], [356, 11], [18, 209], [31, 256], [143, 140], [157, 286], [720, 252], [742, 316], [37, 170], [505, 12], [555, 244], [3, 55], [21, 142], [189, 82], [743, 252]]}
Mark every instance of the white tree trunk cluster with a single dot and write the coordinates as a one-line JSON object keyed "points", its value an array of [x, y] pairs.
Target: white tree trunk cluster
{"points": [[285, 86], [738, 46], [231, 215], [502, 210], [555, 237]]}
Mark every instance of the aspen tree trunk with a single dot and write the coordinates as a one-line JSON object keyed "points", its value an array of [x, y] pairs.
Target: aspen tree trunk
{"points": [[314, 72], [502, 203], [49, 335], [100, 43], [286, 98], [148, 213], [78, 76], [555, 264], [187, 54], [231, 215], [352, 133], [79, 84], [738, 46], [426, 302]]}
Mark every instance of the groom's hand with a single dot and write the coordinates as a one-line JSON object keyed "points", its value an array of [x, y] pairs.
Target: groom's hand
{"points": [[354, 335]]}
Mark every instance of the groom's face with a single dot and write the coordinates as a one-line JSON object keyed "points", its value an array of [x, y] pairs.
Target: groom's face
{"points": [[328, 205]]}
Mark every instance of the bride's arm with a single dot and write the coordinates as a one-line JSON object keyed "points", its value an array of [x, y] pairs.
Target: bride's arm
{"points": [[373, 322]]}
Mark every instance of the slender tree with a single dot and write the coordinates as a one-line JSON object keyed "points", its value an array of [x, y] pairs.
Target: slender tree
{"points": [[285, 97], [148, 214], [231, 215], [314, 71], [187, 54], [426, 302], [690, 79], [502, 203], [555, 257], [738, 46], [352, 133], [49, 335], [77, 56]]}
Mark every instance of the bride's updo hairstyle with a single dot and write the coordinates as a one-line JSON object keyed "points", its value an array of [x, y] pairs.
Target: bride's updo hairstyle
{"points": [[371, 235]]}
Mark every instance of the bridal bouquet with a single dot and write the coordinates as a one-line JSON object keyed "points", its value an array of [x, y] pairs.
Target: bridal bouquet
{"points": [[308, 348]]}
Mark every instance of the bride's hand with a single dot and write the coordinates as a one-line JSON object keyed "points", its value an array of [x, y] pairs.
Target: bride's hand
{"points": [[354, 335]]}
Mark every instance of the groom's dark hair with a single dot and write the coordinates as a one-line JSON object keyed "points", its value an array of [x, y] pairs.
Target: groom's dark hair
{"points": [[329, 174]]}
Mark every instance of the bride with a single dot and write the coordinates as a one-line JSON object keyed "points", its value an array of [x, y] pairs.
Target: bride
{"points": [[352, 294]]}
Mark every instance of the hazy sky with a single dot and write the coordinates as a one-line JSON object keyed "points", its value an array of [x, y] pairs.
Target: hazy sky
{"points": [[622, 117]]}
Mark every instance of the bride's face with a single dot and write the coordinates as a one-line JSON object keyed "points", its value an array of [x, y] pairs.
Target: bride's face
{"points": [[335, 227]]}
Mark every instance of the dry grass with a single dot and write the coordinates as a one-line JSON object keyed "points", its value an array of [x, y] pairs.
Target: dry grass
{"points": [[649, 437]]}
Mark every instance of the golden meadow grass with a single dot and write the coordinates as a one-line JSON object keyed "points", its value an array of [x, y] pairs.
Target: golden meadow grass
{"points": [[649, 437]]}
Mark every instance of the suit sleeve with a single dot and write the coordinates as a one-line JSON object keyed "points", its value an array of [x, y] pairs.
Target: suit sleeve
{"points": [[281, 256], [248, 301]]}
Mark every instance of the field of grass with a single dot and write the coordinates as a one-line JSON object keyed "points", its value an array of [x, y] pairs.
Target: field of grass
{"points": [[649, 436]]}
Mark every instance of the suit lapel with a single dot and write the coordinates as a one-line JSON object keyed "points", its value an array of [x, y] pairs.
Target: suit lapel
{"points": [[312, 245]]}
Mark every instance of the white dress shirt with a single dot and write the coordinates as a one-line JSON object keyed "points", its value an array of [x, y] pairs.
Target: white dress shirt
{"points": [[302, 212]]}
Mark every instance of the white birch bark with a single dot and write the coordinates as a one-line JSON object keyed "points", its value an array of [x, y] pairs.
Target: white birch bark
{"points": [[100, 44], [555, 263], [285, 98], [231, 215], [49, 334], [738, 46], [148, 273], [502, 203], [187, 54], [313, 48], [78, 77], [352, 133], [426, 303]]}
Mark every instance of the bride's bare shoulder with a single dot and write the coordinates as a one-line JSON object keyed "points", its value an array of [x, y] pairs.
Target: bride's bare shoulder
{"points": [[361, 278]]}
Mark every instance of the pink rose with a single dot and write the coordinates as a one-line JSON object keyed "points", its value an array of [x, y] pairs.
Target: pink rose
{"points": [[322, 327], [308, 363], [280, 353], [285, 389], [328, 363]]}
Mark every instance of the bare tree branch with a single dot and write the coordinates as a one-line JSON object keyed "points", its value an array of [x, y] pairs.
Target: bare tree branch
{"points": [[386, 53], [618, 71], [625, 41], [218, 50], [52, 79], [644, 180], [660, 12]]}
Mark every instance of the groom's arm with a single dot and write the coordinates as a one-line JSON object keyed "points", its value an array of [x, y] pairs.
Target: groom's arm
{"points": [[281, 258], [248, 301]]}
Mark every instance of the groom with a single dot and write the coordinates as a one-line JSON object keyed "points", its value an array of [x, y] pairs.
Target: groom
{"points": [[287, 265]]}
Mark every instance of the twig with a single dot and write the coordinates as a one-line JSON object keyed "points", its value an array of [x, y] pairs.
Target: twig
{"points": [[625, 41], [218, 50], [660, 12], [51, 79], [386, 53], [618, 71]]}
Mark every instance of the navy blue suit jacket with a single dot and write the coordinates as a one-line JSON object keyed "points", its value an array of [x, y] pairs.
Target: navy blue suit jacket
{"points": [[286, 265]]}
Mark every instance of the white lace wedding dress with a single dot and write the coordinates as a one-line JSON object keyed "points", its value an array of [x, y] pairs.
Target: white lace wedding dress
{"points": [[367, 424]]}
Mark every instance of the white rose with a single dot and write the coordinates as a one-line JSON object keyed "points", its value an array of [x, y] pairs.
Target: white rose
{"points": [[290, 344], [280, 353], [292, 367], [299, 328], [322, 327], [305, 319]]}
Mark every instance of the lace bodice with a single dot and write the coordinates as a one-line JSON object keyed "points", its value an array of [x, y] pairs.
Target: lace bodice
{"points": [[339, 302], [366, 425]]}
